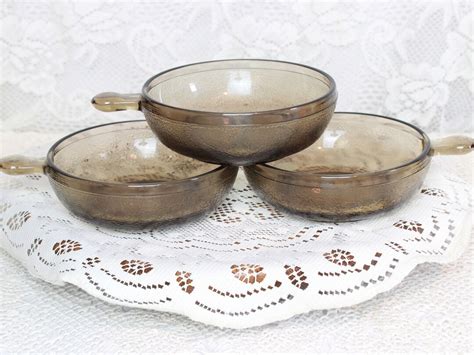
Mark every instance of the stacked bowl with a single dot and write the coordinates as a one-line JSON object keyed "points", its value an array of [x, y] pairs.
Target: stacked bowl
{"points": [[276, 119]]}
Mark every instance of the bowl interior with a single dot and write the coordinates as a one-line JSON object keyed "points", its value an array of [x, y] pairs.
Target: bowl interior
{"points": [[357, 143], [126, 152], [238, 86]]}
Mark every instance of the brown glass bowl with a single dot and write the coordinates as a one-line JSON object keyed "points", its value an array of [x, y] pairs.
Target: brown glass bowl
{"points": [[237, 112], [121, 173], [362, 164]]}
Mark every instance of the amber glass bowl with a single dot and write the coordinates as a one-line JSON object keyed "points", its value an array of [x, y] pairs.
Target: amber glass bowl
{"points": [[121, 173], [236, 112], [362, 164]]}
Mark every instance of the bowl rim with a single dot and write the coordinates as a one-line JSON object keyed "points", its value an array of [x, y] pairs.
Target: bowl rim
{"points": [[265, 167], [191, 181], [247, 117]]}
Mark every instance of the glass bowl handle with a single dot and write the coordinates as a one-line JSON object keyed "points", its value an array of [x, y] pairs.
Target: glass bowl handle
{"points": [[21, 165], [452, 145], [113, 101]]}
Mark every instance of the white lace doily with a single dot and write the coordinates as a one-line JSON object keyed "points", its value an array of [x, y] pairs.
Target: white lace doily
{"points": [[244, 265]]}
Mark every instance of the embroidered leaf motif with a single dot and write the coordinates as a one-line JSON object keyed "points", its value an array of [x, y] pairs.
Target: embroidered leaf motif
{"points": [[18, 219], [409, 225], [340, 257], [432, 191], [248, 273], [296, 276], [36, 243], [136, 267], [184, 281], [90, 262], [66, 246]]}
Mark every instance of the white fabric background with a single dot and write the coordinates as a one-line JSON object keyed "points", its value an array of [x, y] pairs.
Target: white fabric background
{"points": [[405, 59]]}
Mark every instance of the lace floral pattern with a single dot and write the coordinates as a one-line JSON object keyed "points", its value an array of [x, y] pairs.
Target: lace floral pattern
{"points": [[248, 273], [18, 219], [136, 267], [413, 61], [417, 92], [340, 257]]}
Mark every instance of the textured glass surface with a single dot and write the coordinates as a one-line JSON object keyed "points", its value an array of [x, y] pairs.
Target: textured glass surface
{"points": [[354, 143], [127, 152], [238, 86]]}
